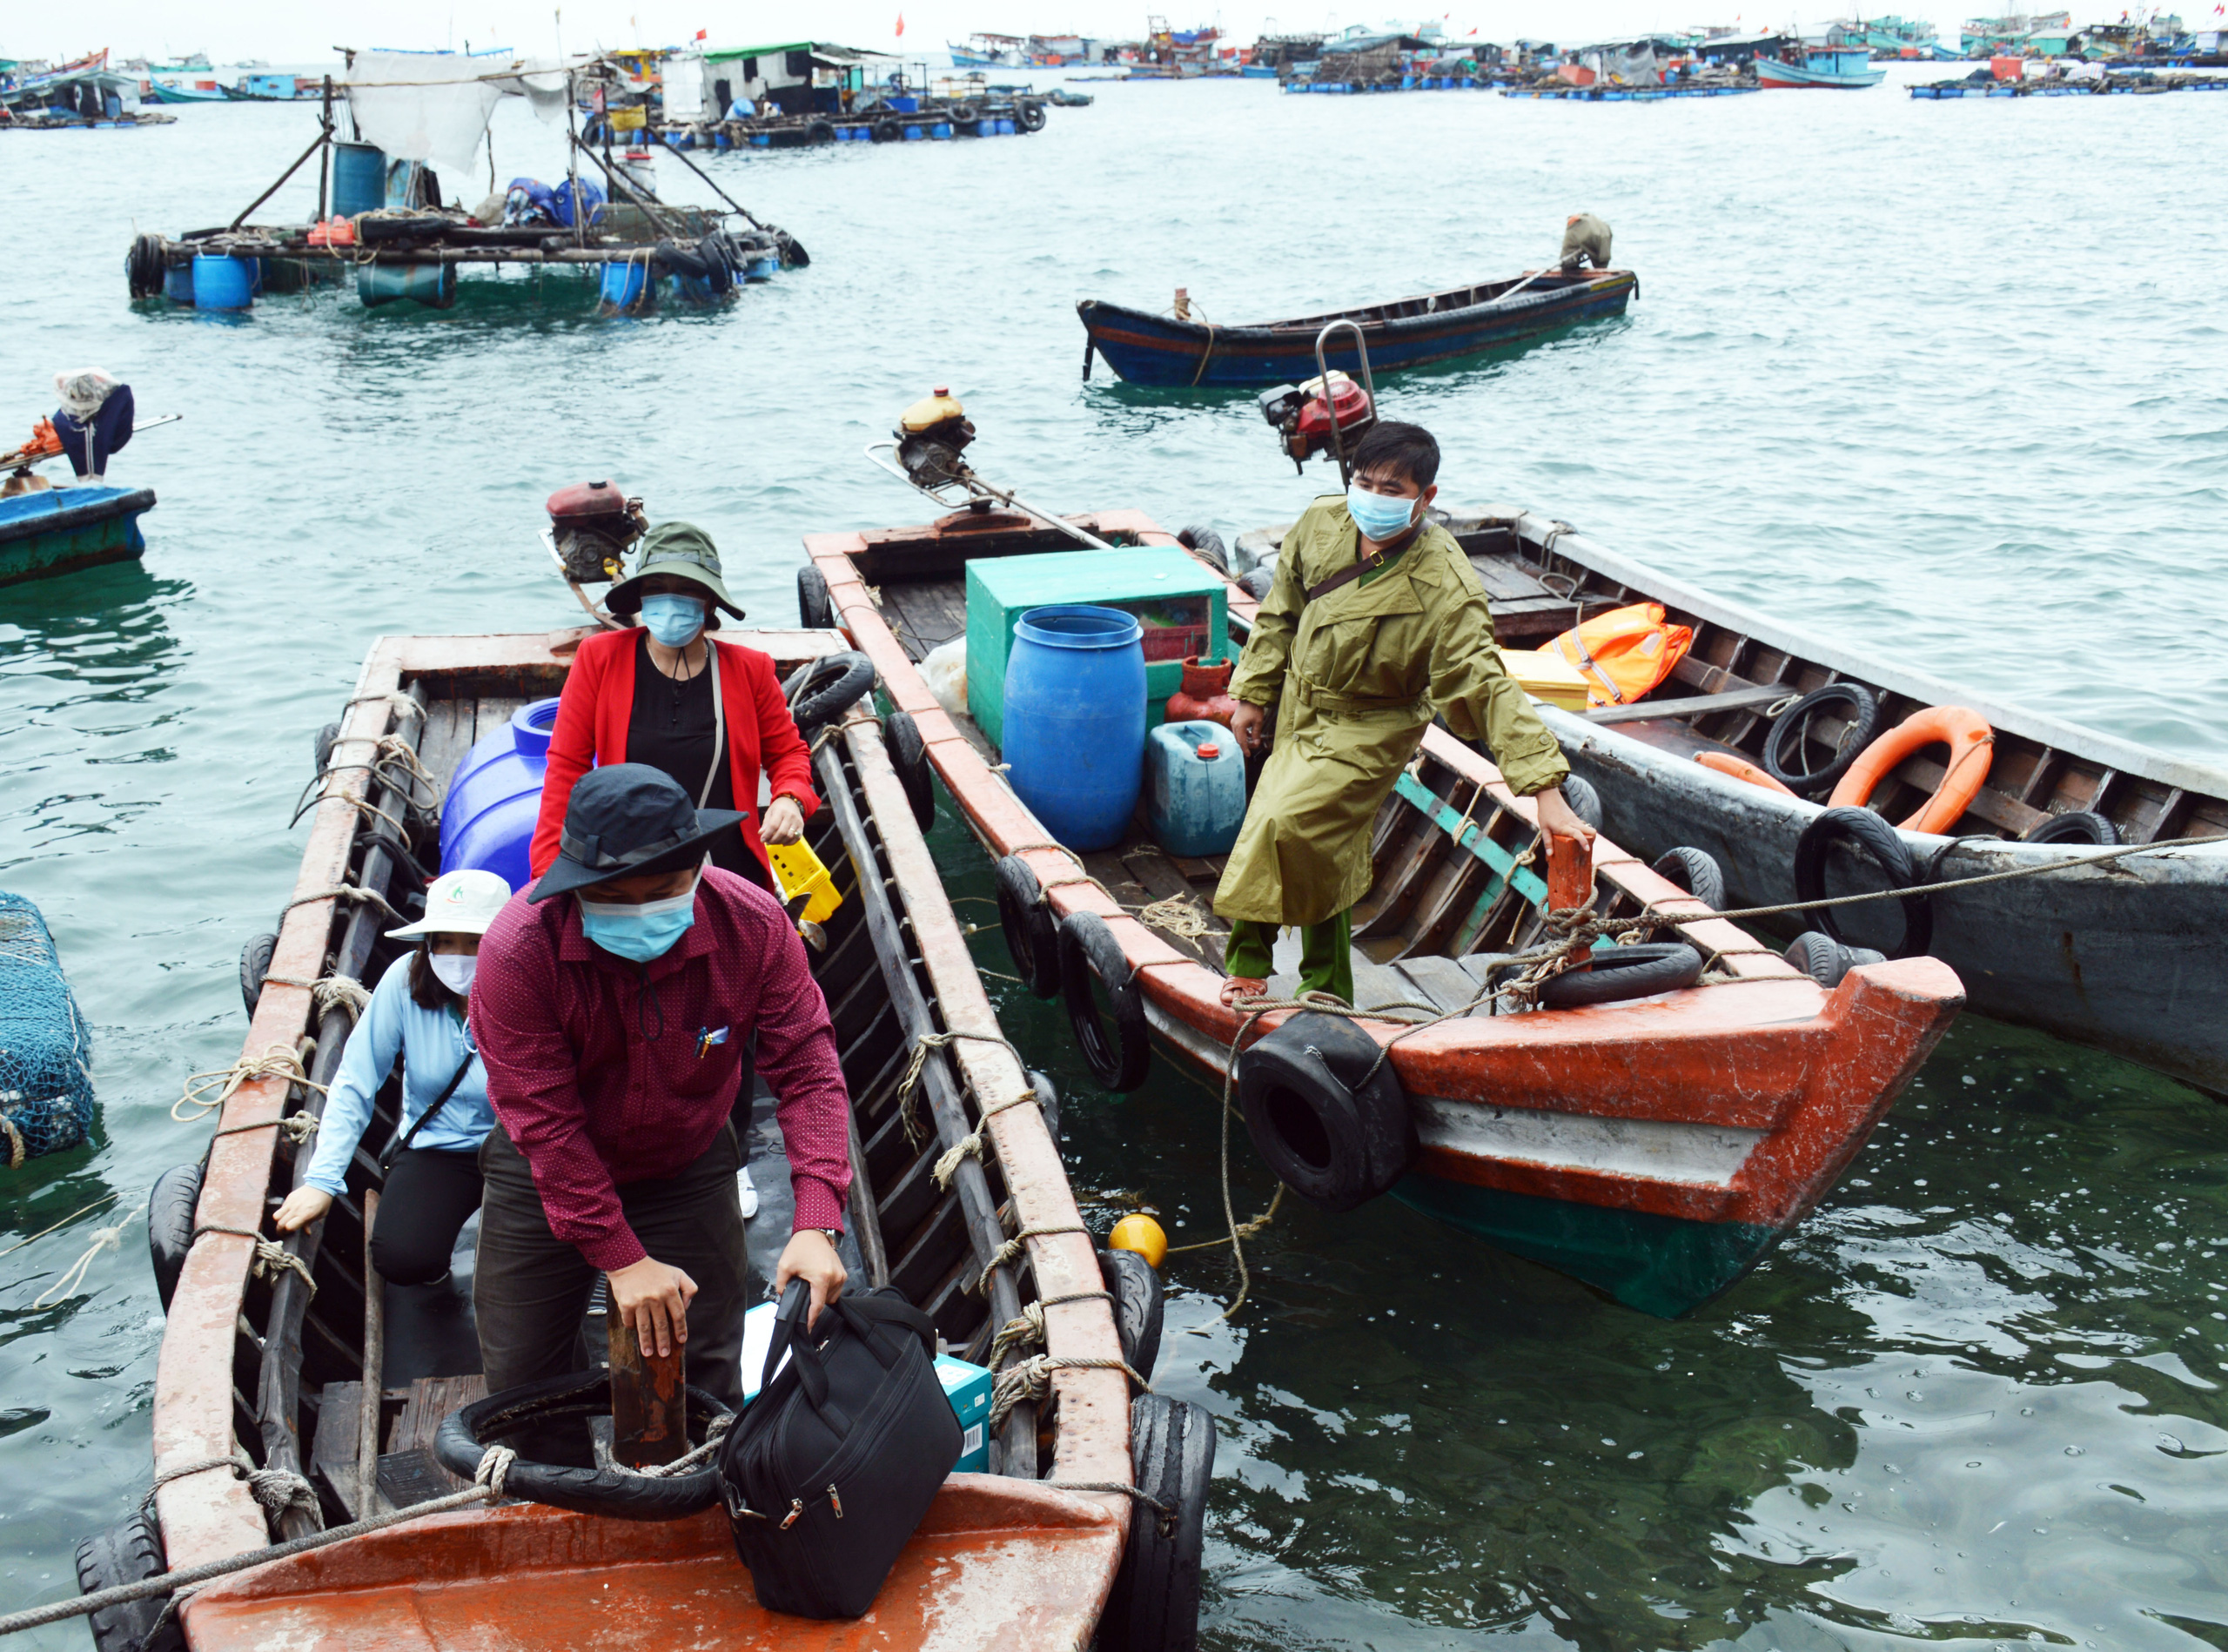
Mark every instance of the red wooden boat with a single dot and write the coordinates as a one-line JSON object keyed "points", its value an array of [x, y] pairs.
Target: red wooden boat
{"points": [[1654, 1148], [254, 1361]]}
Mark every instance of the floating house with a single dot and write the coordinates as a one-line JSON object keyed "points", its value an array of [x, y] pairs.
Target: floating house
{"points": [[792, 77]]}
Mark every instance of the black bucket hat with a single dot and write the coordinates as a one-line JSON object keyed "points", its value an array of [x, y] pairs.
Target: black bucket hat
{"points": [[626, 819], [683, 550]]}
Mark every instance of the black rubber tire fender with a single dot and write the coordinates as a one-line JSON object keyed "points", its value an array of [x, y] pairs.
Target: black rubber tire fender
{"points": [[1617, 973], [1207, 545], [1155, 1603], [128, 1552], [171, 1205], [909, 756], [888, 132], [1790, 729], [465, 1435], [1029, 116], [1139, 1307], [255, 964], [1876, 840], [1032, 933], [1089, 951], [819, 132], [1327, 1114], [327, 738], [1584, 800], [684, 260], [1256, 584], [1048, 1103], [2075, 826], [816, 608], [146, 268], [832, 685], [1695, 871], [963, 114], [1826, 960]]}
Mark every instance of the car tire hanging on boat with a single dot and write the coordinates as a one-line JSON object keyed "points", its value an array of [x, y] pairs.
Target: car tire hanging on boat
{"points": [[1878, 841], [1584, 800], [909, 756], [255, 964], [609, 1491], [816, 609], [2075, 826], [1787, 744], [1695, 871], [846, 676], [1826, 960], [1088, 952], [1614, 974], [1326, 1115], [1155, 1604], [171, 1205], [1028, 114], [1032, 934], [128, 1552], [1139, 1307]]}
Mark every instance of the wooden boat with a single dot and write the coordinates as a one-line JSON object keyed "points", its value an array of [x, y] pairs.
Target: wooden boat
{"points": [[253, 1361], [1655, 1149], [1837, 66], [1153, 349], [2125, 957], [57, 530]]}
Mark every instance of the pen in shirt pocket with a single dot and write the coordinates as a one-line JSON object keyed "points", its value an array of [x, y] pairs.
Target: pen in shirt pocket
{"points": [[706, 1038]]}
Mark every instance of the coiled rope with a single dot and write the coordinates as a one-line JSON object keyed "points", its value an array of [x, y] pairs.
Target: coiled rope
{"points": [[486, 1486], [275, 1489], [277, 1061], [271, 1259]]}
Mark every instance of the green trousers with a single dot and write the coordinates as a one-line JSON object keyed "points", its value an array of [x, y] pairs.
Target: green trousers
{"points": [[1326, 956]]}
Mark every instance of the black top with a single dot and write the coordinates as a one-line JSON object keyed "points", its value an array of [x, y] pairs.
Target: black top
{"points": [[671, 729]]}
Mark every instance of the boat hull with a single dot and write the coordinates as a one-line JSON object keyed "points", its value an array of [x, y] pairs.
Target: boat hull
{"points": [[1788, 77], [1149, 349], [61, 530]]}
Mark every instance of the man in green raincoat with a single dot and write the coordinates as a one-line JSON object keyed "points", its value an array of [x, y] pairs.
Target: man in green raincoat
{"points": [[1376, 621]]}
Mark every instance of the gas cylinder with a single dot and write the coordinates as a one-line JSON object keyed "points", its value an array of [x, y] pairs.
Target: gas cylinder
{"points": [[1204, 695]]}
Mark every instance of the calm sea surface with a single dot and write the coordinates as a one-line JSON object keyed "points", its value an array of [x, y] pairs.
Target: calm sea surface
{"points": [[1944, 377]]}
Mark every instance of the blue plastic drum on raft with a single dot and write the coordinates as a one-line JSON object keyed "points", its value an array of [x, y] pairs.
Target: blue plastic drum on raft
{"points": [[624, 284], [1075, 720], [358, 180], [223, 283], [495, 797], [430, 284], [46, 1048]]}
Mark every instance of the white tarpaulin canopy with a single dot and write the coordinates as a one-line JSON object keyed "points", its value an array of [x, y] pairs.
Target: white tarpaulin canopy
{"points": [[434, 106]]}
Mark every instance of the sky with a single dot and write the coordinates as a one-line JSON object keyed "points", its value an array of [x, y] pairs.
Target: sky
{"points": [[294, 34]]}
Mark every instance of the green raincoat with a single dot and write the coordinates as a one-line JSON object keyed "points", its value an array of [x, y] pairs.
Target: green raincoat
{"points": [[1357, 676]]}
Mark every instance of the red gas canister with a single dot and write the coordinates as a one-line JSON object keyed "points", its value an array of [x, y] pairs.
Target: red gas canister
{"points": [[1204, 695]]}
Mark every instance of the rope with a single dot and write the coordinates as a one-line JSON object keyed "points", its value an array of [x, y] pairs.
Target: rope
{"points": [[1012, 1247], [486, 1486], [970, 1144], [714, 1432], [295, 1127], [1166, 1511], [1027, 1329], [1246, 1230], [104, 1238], [329, 992], [277, 1061], [272, 1259], [1176, 916], [346, 892], [275, 1489], [103, 1199], [1028, 1381], [908, 1085], [17, 1152], [1207, 355]]}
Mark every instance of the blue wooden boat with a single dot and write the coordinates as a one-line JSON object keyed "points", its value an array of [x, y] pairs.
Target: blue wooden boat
{"points": [[64, 528], [1839, 66], [1151, 349]]}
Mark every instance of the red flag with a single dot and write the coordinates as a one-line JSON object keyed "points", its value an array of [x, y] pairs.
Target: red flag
{"points": [[700, 34], [901, 23]]}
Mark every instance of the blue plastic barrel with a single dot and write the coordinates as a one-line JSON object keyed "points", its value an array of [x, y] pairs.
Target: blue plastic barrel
{"points": [[942, 128], [912, 134], [1006, 127], [495, 797], [761, 140], [358, 180], [430, 284], [624, 283], [1195, 787], [177, 283], [223, 283], [1075, 720]]}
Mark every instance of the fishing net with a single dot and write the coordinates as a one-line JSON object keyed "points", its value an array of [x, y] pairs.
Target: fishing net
{"points": [[46, 1049]]}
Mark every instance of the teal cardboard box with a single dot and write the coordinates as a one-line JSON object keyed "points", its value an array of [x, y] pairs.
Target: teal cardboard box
{"points": [[968, 1388], [1182, 603]]}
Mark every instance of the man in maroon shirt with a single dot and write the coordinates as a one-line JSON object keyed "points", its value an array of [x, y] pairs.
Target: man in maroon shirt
{"points": [[615, 1005]]}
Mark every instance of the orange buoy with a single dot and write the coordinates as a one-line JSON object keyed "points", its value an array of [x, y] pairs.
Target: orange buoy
{"points": [[1732, 768], [1142, 1234], [1971, 744]]}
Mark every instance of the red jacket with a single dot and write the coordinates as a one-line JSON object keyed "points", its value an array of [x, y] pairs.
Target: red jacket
{"points": [[599, 698]]}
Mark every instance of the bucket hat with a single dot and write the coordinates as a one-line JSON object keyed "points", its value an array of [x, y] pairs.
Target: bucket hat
{"points": [[626, 819], [679, 549], [458, 903]]}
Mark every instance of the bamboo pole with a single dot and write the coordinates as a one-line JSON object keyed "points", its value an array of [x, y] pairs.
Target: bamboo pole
{"points": [[367, 1426]]}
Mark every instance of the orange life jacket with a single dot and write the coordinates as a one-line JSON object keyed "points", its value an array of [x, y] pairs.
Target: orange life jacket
{"points": [[1624, 653]]}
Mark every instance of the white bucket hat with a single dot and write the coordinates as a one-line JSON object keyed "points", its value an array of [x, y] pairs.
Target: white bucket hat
{"points": [[458, 903]]}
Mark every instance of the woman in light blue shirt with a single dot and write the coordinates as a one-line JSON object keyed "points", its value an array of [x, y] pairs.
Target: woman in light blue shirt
{"points": [[417, 1010]]}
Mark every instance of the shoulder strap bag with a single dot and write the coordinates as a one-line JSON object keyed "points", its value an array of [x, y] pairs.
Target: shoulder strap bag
{"points": [[400, 1145]]}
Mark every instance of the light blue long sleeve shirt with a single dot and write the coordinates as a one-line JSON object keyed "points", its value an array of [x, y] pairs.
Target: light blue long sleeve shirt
{"points": [[431, 1042]]}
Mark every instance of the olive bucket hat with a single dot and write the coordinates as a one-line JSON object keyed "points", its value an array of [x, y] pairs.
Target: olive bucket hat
{"points": [[681, 549]]}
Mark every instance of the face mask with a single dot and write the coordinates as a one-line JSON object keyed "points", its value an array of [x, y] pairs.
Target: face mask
{"points": [[639, 932], [453, 969], [1379, 518], [674, 620]]}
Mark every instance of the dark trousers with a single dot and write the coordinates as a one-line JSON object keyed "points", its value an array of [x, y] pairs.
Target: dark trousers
{"points": [[531, 1288], [90, 444], [430, 1194]]}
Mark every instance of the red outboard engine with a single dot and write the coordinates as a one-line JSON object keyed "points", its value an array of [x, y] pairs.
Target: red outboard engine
{"points": [[592, 524], [1301, 413]]}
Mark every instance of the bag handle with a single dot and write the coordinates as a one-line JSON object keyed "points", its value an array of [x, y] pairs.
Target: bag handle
{"points": [[791, 1337], [400, 1145]]}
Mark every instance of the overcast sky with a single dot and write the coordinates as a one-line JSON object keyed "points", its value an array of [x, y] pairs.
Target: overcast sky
{"points": [[294, 33]]}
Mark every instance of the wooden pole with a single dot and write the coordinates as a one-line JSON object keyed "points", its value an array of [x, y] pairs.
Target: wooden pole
{"points": [[649, 1406], [367, 1426], [324, 161]]}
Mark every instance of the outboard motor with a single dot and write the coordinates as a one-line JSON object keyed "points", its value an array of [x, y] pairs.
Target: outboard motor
{"points": [[1304, 418], [591, 526], [932, 434]]}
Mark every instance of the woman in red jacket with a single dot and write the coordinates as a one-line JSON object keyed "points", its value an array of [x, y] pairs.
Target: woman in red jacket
{"points": [[664, 693]]}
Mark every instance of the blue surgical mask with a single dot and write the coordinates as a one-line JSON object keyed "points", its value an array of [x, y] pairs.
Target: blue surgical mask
{"points": [[674, 620], [642, 932], [1377, 517]]}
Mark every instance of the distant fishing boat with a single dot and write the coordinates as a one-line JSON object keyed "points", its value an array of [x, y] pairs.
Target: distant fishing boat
{"points": [[1840, 64], [1153, 348], [60, 530], [162, 93]]}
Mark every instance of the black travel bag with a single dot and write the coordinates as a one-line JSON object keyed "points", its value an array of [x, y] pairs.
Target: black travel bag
{"points": [[834, 1464]]}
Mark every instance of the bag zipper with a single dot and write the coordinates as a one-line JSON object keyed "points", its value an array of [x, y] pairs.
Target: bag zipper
{"points": [[835, 1500]]}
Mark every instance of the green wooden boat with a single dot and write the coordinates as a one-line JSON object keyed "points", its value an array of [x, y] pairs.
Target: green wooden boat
{"points": [[64, 528]]}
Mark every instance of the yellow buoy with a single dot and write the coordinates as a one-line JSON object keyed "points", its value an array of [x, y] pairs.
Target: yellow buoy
{"points": [[1142, 1235]]}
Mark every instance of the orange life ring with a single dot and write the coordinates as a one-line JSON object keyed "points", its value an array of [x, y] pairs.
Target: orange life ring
{"points": [[1971, 744], [1732, 768]]}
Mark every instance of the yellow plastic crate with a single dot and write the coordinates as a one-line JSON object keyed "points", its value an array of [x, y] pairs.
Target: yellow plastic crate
{"points": [[798, 870], [1545, 675]]}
